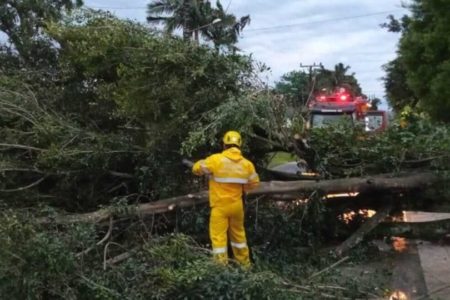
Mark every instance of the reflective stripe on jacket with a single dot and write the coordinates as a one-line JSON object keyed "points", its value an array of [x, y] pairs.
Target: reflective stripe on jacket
{"points": [[229, 173]]}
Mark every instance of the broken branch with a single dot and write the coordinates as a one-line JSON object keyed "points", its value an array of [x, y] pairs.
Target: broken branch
{"points": [[349, 185]]}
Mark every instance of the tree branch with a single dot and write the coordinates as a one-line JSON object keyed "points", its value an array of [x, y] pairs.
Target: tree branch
{"points": [[120, 174], [21, 170], [104, 239], [17, 146], [24, 187], [291, 188], [329, 267], [367, 227]]}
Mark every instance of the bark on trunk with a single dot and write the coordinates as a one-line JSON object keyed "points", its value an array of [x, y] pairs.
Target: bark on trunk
{"points": [[276, 189], [367, 227], [348, 185]]}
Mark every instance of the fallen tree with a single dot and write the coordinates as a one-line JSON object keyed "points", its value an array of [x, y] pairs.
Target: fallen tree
{"points": [[417, 225], [360, 234], [276, 190]]}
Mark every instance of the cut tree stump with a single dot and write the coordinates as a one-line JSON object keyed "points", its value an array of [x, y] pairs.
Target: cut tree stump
{"points": [[364, 230]]}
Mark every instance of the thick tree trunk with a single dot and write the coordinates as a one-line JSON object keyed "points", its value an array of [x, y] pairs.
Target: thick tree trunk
{"points": [[288, 190], [367, 227], [417, 225], [187, 34], [348, 185], [187, 30], [197, 37]]}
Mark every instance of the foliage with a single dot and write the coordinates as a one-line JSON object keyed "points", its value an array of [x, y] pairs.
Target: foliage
{"points": [[419, 74], [197, 18], [109, 120], [297, 85], [374, 103], [241, 114], [50, 264], [266, 122], [107, 124], [175, 14], [23, 23], [330, 79], [355, 153], [294, 84], [67, 164], [339, 151], [224, 34], [38, 264], [152, 79]]}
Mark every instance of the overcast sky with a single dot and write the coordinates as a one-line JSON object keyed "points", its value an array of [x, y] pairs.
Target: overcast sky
{"points": [[283, 34]]}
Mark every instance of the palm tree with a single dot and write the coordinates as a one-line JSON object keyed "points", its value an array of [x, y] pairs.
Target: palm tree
{"points": [[340, 74], [226, 33], [343, 79], [175, 14], [330, 79], [324, 79], [198, 17]]}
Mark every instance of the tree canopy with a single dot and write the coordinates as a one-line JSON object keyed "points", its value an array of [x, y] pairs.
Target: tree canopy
{"points": [[101, 124], [24, 22], [299, 84], [418, 77], [198, 19], [113, 78], [294, 84]]}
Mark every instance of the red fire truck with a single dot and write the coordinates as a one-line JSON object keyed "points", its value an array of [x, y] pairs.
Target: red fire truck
{"points": [[329, 107], [326, 108]]}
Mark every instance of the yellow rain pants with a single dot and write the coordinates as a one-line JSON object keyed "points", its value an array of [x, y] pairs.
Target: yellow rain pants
{"points": [[230, 174], [228, 222]]}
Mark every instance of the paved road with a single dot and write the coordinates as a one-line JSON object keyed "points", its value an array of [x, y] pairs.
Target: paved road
{"points": [[421, 269], [408, 279], [435, 263]]}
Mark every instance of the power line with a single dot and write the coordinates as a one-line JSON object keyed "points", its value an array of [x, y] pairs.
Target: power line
{"points": [[269, 28], [228, 6], [321, 21]]}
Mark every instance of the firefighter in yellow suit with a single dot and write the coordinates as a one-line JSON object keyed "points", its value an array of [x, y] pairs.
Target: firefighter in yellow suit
{"points": [[230, 175]]}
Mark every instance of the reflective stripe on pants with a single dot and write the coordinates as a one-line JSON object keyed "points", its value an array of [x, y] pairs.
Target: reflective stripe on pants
{"points": [[239, 245], [224, 221]]}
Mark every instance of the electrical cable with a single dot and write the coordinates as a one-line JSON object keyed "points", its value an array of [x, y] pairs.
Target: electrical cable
{"points": [[276, 27], [321, 21]]}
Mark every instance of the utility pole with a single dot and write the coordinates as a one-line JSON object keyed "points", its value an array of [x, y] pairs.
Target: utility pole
{"points": [[310, 79]]}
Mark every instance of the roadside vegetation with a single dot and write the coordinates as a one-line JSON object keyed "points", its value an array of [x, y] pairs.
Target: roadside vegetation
{"points": [[98, 112]]}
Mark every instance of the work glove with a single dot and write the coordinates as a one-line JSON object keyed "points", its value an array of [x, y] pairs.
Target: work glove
{"points": [[187, 163]]}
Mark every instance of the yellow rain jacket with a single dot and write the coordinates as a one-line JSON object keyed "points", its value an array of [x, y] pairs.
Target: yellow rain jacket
{"points": [[230, 174]]}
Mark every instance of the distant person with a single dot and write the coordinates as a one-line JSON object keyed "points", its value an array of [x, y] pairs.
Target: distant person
{"points": [[230, 175]]}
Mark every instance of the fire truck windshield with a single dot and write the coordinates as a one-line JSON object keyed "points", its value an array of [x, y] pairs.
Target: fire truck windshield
{"points": [[319, 120]]}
